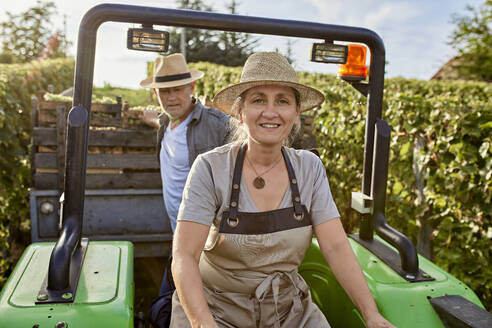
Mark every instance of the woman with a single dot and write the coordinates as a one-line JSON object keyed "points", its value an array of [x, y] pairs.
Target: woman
{"points": [[248, 212]]}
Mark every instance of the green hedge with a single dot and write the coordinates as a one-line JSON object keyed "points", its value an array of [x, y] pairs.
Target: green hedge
{"points": [[18, 82]]}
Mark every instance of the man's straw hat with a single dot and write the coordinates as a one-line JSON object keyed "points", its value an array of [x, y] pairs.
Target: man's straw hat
{"points": [[268, 68], [171, 71]]}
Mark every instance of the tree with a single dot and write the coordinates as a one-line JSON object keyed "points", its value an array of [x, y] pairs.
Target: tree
{"points": [[236, 46], [24, 36], [472, 38], [201, 45], [289, 52], [225, 48]]}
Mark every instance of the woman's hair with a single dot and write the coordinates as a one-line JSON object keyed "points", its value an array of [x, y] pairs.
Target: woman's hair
{"points": [[239, 132]]}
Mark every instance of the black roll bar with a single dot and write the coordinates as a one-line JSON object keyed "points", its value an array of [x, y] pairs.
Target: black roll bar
{"points": [[58, 272], [77, 143], [234, 23], [408, 255]]}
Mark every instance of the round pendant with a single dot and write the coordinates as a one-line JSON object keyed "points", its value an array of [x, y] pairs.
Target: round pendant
{"points": [[258, 182]]}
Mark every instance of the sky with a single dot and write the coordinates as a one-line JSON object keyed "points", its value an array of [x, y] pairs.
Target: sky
{"points": [[415, 32]]}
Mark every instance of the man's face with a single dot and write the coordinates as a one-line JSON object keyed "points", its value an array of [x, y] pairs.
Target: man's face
{"points": [[176, 101]]}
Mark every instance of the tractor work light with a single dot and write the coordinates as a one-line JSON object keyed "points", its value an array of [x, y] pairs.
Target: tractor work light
{"points": [[329, 53], [147, 39], [355, 68]]}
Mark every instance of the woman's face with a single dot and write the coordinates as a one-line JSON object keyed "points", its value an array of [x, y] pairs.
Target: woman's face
{"points": [[268, 113]]}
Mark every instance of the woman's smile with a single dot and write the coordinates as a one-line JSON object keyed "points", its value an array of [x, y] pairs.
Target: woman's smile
{"points": [[269, 125]]}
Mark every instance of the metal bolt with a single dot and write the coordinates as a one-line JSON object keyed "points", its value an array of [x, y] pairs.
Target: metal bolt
{"points": [[410, 276], [42, 297], [61, 325], [67, 296]]}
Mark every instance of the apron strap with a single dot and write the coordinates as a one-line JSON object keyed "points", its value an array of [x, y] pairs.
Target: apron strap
{"points": [[271, 285], [236, 182], [296, 196]]}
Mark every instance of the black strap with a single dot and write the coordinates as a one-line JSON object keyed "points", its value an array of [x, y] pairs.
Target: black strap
{"points": [[257, 223], [296, 196], [236, 183], [174, 77]]}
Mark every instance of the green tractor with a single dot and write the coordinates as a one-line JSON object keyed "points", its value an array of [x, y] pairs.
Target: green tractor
{"points": [[89, 282]]}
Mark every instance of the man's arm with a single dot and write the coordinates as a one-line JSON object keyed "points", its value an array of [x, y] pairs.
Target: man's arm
{"points": [[150, 117]]}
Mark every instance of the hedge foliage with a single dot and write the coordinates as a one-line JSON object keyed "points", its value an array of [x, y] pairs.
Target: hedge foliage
{"points": [[441, 134], [18, 82]]}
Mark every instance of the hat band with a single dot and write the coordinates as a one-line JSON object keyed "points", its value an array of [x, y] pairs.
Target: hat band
{"points": [[175, 77]]}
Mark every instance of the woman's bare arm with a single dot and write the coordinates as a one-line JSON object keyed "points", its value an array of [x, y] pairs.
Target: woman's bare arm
{"points": [[342, 261], [189, 239]]}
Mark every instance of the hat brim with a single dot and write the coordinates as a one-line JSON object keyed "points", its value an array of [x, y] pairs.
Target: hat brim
{"points": [[309, 97], [149, 82]]}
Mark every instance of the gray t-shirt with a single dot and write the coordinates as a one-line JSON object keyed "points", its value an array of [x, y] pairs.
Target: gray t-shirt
{"points": [[207, 191]]}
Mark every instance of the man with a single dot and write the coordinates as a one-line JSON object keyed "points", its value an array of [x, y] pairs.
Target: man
{"points": [[186, 129]]}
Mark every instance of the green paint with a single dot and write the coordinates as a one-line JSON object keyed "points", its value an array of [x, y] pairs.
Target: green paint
{"points": [[104, 296], [404, 304]]}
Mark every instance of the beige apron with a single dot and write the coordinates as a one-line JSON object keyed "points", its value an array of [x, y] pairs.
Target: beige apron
{"points": [[249, 266]]}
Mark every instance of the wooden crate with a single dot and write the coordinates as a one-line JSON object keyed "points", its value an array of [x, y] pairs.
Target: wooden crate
{"points": [[121, 151]]}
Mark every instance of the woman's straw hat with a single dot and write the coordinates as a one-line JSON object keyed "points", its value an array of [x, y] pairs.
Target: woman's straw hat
{"points": [[267, 68], [171, 71]]}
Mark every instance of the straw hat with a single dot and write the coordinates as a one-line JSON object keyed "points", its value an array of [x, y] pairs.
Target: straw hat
{"points": [[267, 68], [171, 71]]}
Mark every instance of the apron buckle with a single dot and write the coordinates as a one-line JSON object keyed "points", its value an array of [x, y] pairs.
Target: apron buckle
{"points": [[299, 217], [232, 222]]}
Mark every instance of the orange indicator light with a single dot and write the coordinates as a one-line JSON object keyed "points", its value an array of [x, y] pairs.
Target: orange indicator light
{"points": [[355, 68]]}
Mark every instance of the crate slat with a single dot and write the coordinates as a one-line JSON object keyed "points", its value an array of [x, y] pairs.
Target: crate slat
{"points": [[123, 161], [111, 138], [49, 118], [106, 121], [106, 108], [135, 180]]}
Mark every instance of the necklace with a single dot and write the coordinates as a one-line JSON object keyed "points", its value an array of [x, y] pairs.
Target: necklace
{"points": [[259, 182]]}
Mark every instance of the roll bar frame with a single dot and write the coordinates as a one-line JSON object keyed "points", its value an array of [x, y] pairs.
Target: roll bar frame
{"points": [[78, 130]]}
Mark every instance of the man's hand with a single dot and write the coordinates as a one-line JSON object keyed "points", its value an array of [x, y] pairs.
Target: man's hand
{"points": [[150, 117]]}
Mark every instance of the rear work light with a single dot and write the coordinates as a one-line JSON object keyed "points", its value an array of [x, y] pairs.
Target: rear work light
{"points": [[147, 39], [355, 68], [329, 53]]}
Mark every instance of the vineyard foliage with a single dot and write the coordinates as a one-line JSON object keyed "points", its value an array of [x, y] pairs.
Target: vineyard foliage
{"points": [[440, 169]]}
